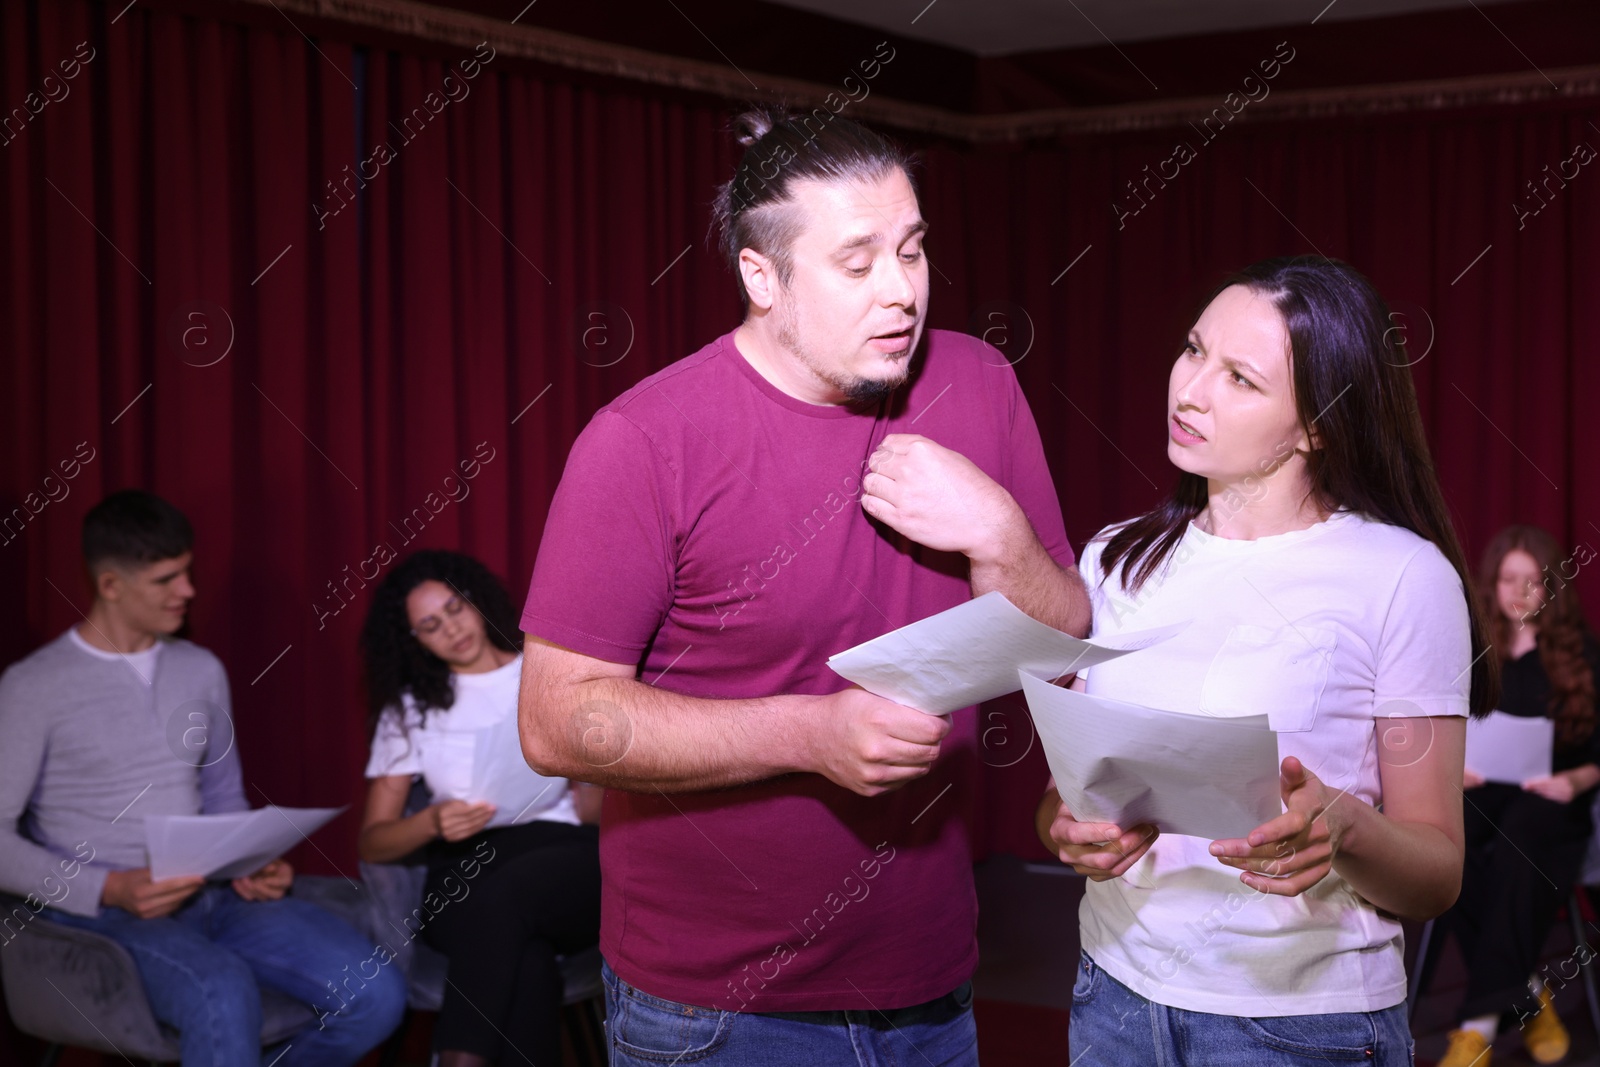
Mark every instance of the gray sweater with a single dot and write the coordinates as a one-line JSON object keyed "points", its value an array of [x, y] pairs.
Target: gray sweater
{"points": [[88, 749]]}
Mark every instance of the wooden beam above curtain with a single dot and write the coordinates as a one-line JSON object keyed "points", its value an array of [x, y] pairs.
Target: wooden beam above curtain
{"points": [[447, 26]]}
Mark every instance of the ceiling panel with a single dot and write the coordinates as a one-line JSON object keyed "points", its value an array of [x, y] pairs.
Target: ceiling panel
{"points": [[1006, 27]]}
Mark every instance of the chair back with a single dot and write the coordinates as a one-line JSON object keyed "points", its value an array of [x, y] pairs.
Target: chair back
{"points": [[1591, 861], [395, 917]]}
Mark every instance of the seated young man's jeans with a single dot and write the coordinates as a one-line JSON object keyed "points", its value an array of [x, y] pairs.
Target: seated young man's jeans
{"points": [[645, 1030], [203, 968], [1112, 1026]]}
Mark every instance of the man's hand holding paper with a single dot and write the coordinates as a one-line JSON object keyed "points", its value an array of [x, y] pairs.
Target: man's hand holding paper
{"points": [[271, 882], [876, 745], [136, 893]]}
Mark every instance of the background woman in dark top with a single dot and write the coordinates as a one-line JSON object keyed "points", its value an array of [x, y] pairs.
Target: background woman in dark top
{"points": [[1526, 845]]}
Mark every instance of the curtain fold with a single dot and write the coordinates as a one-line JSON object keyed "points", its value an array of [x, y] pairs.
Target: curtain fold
{"points": [[300, 289]]}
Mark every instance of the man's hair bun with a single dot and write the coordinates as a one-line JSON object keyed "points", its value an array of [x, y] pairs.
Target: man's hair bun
{"points": [[750, 126]]}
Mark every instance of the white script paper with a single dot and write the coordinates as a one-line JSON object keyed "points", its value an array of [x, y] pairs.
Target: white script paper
{"points": [[1127, 764], [972, 652], [1510, 748], [227, 846], [501, 775]]}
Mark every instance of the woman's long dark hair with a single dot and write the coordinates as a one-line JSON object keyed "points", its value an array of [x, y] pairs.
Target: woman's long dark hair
{"points": [[1353, 390], [396, 662], [1560, 624]]}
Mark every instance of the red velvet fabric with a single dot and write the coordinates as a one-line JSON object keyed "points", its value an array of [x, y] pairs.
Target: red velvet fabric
{"points": [[530, 249]]}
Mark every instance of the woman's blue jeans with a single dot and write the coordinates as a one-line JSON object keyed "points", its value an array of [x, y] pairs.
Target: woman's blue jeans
{"points": [[1113, 1026]]}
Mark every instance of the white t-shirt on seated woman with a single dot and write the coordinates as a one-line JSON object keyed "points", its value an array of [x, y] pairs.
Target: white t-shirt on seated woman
{"points": [[1325, 630], [441, 747]]}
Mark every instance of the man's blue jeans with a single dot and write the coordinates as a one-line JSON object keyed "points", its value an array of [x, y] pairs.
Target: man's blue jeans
{"points": [[1113, 1026], [203, 968], [647, 1031]]}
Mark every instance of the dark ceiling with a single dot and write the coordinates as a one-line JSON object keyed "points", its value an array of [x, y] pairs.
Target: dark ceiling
{"points": [[756, 38], [763, 37]]}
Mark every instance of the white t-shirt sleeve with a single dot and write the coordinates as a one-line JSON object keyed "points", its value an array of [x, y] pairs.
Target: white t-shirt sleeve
{"points": [[394, 752], [1089, 567], [1424, 662]]}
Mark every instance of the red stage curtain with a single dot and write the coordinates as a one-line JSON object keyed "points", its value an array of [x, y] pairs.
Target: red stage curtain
{"points": [[540, 240]]}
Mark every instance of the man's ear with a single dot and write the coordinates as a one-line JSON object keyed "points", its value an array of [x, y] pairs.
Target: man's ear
{"points": [[108, 583], [759, 276]]}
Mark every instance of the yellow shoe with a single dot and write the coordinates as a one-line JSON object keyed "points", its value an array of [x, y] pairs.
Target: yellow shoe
{"points": [[1544, 1037], [1467, 1049]]}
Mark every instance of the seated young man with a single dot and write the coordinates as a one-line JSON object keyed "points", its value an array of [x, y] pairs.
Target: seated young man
{"points": [[116, 720]]}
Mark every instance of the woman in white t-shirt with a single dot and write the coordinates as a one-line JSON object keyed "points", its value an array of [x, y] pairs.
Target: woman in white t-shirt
{"points": [[510, 886], [1309, 548]]}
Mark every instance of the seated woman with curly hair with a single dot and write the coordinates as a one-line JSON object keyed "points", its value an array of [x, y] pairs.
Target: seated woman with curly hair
{"points": [[443, 655]]}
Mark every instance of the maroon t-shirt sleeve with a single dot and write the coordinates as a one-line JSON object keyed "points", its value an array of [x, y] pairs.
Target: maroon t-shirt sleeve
{"points": [[1031, 485], [603, 579]]}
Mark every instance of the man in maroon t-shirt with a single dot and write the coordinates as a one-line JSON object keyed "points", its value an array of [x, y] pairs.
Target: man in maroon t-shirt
{"points": [[786, 858]]}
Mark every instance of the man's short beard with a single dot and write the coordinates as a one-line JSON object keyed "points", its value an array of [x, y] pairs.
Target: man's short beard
{"points": [[858, 392], [862, 392]]}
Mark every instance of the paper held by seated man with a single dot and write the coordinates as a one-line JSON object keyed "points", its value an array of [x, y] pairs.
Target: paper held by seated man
{"points": [[229, 845]]}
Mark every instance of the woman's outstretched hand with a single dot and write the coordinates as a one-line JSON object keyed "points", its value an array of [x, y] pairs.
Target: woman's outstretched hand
{"points": [[1291, 853]]}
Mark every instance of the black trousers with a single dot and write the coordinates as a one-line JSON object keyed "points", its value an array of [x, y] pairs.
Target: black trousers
{"points": [[1524, 854], [533, 895]]}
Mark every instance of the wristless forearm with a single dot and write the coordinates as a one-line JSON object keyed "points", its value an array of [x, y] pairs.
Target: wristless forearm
{"points": [[1036, 584], [388, 841], [622, 733], [1583, 778], [1408, 869]]}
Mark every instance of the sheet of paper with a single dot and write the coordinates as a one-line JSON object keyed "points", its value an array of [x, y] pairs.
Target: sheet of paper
{"points": [[1510, 748], [227, 846], [1126, 764], [502, 776], [972, 653]]}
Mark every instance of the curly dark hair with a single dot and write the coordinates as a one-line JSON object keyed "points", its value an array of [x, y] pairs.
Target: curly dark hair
{"points": [[1560, 626], [396, 662]]}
